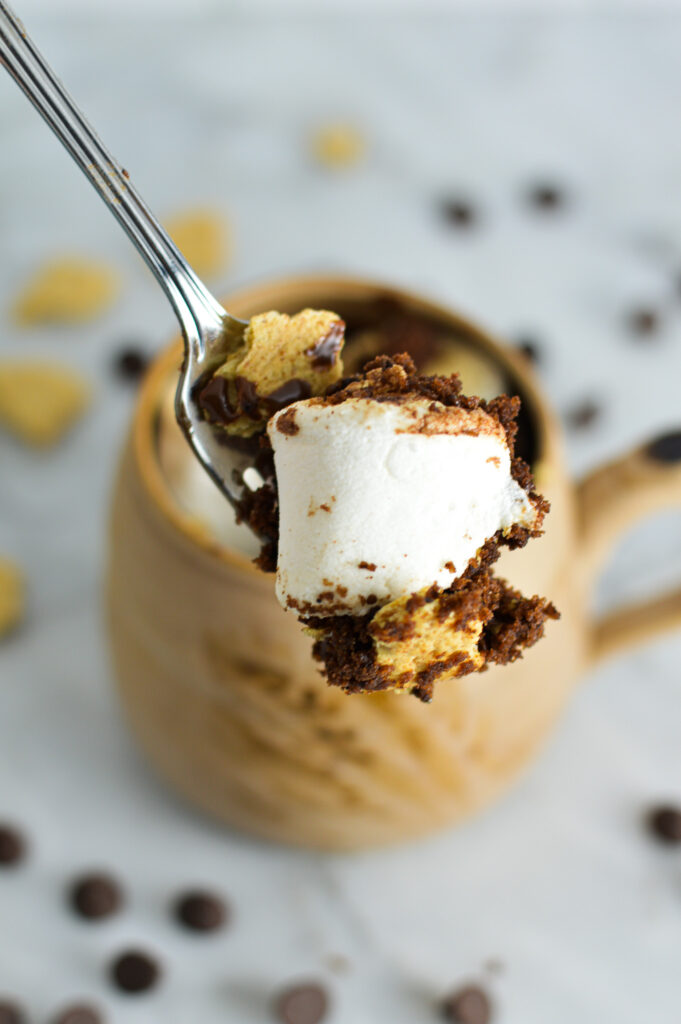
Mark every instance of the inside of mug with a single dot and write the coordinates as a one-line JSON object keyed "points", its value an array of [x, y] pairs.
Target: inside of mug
{"points": [[381, 324]]}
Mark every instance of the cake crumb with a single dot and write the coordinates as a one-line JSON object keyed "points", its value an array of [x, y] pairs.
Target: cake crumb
{"points": [[66, 290], [12, 596], [286, 423], [39, 402]]}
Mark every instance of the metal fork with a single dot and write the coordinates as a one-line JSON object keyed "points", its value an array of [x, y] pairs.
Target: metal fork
{"points": [[207, 328]]}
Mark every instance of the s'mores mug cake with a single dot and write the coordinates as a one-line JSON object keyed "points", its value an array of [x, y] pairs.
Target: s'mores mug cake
{"points": [[381, 639]]}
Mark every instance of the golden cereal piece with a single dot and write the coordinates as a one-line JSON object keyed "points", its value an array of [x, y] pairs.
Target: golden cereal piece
{"points": [[39, 402], [66, 291], [201, 236], [12, 596], [338, 145]]}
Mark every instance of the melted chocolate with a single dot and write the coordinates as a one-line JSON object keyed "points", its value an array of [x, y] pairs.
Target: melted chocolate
{"points": [[324, 354], [294, 390], [213, 399], [247, 397]]}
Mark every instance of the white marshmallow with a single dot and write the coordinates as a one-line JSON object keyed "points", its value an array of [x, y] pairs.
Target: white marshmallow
{"points": [[407, 488]]}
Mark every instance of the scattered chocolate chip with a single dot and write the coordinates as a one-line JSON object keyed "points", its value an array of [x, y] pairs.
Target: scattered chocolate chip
{"points": [[583, 415], [545, 196], [643, 322], [130, 363], [11, 1013], [529, 347], [96, 896], [459, 213], [201, 911], [12, 846], [666, 448], [79, 1015], [469, 1005], [302, 1004], [664, 823], [135, 971]]}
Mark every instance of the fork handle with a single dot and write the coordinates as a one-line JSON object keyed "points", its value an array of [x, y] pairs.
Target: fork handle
{"points": [[191, 300]]}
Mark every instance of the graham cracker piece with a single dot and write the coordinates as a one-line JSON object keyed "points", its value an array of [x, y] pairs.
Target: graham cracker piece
{"points": [[39, 401], [338, 145], [12, 596], [66, 290], [280, 359], [201, 237]]}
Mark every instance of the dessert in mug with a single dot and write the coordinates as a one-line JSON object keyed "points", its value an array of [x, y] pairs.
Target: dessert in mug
{"points": [[383, 500]]}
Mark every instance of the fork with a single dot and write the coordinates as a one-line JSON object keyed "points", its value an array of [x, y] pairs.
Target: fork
{"points": [[208, 329]]}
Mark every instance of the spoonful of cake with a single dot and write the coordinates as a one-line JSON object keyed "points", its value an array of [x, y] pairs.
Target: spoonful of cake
{"points": [[210, 333], [381, 498]]}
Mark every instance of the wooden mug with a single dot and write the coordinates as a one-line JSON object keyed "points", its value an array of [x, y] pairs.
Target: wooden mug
{"points": [[218, 683]]}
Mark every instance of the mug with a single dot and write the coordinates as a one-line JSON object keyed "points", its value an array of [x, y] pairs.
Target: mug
{"points": [[218, 684]]}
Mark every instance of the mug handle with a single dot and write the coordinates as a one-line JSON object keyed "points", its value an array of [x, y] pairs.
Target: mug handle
{"points": [[610, 500]]}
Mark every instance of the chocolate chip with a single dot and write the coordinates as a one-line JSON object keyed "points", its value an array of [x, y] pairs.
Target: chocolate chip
{"points": [[643, 322], [545, 196], [469, 1005], [664, 823], [584, 414], [134, 971], [529, 347], [302, 1004], [12, 846], [79, 1015], [201, 911], [131, 363], [666, 448], [460, 213], [11, 1013], [96, 896]]}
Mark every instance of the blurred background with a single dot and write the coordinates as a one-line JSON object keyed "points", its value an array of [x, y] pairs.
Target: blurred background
{"points": [[521, 164]]}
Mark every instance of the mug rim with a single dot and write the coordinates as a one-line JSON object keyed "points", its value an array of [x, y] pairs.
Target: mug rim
{"points": [[253, 297]]}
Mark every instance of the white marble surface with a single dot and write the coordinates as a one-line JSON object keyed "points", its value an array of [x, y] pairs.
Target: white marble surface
{"points": [[558, 881]]}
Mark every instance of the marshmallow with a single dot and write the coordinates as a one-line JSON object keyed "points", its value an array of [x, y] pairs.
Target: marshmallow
{"points": [[378, 500]]}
